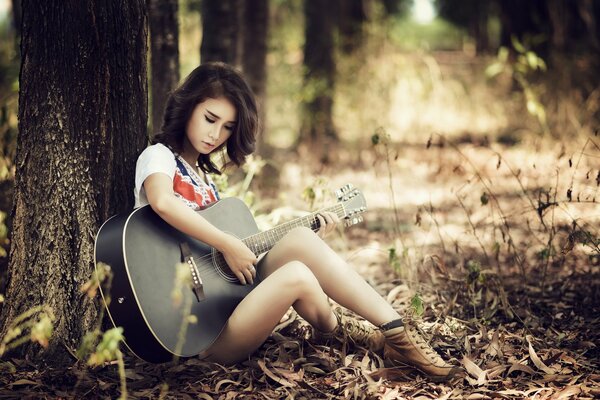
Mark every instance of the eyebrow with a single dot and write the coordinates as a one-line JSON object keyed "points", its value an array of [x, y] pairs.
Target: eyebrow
{"points": [[217, 117]]}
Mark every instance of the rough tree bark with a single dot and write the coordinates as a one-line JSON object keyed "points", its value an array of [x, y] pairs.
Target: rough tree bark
{"points": [[82, 113], [319, 79], [164, 54]]}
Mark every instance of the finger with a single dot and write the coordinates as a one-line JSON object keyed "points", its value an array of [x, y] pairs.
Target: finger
{"points": [[322, 225], [248, 275], [322, 221], [241, 277], [334, 217], [328, 219], [329, 224]]}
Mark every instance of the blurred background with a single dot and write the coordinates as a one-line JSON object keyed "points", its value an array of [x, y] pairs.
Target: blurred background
{"points": [[471, 127], [407, 98]]}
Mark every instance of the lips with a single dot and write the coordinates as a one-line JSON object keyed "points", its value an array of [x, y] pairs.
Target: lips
{"points": [[209, 145]]}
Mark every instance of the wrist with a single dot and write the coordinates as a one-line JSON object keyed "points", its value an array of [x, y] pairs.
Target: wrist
{"points": [[223, 242]]}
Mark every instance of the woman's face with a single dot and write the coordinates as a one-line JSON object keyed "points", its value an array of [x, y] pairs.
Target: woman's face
{"points": [[210, 125]]}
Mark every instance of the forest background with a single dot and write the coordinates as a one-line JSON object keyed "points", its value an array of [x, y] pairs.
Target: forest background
{"points": [[470, 126]]}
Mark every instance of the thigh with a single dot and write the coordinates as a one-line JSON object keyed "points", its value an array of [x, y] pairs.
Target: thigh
{"points": [[255, 317], [304, 245]]}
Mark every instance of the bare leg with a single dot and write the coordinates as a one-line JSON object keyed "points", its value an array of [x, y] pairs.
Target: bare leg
{"points": [[253, 320], [340, 282]]}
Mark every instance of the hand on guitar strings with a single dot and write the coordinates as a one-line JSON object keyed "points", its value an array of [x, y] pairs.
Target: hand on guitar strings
{"points": [[328, 221], [240, 259]]}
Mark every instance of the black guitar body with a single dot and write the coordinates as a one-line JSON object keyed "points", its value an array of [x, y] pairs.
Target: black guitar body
{"points": [[142, 251]]}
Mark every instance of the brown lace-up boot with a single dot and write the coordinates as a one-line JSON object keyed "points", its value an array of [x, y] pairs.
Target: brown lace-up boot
{"points": [[360, 333], [404, 346]]}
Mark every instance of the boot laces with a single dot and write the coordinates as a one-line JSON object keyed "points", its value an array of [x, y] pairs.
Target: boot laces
{"points": [[358, 331], [422, 344]]}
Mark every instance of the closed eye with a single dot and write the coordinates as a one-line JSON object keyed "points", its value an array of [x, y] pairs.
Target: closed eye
{"points": [[209, 120]]}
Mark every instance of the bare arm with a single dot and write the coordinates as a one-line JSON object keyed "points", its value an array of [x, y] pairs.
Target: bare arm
{"points": [[159, 190]]}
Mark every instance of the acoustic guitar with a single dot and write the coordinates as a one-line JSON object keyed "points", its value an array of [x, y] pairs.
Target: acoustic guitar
{"points": [[143, 251]]}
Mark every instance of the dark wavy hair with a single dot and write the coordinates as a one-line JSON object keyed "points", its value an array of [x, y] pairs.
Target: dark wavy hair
{"points": [[211, 80]]}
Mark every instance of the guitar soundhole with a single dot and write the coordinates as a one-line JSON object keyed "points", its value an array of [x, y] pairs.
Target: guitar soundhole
{"points": [[222, 268]]}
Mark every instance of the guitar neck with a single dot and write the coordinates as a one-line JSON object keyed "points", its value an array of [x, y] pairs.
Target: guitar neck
{"points": [[264, 241]]}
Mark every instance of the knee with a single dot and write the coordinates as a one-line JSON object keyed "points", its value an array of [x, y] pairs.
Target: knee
{"points": [[298, 276]]}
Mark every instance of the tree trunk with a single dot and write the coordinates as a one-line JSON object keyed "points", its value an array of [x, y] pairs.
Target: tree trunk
{"points": [[559, 20], [254, 57], [351, 19], [479, 26], [317, 120], [523, 19], [17, 13], [82, 114], [222, 29], [164, 41], [590, 20]]}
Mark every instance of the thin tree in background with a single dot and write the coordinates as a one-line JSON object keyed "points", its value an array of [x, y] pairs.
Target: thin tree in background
{"points": [[319, 79], [221, 31], [164, 54], [236, 32], [254, 57], [472, 15], [82, 123], [17, 13], [352, 18]]}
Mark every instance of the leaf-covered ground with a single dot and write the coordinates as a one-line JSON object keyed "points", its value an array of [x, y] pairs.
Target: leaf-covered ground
{"points": [[489, 241]]}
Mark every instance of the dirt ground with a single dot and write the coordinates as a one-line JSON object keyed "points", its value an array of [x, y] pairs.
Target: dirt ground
{"points": [[505, 266]]}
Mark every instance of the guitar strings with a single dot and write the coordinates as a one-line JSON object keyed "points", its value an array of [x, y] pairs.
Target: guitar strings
{"points": [[211, 269], [208, 269], [280, 230]]}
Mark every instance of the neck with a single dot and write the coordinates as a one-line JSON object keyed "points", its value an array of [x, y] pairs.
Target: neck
{"points": [[189, 154]]}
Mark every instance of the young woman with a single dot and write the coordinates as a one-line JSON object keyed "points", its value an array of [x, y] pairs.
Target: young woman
{"points": [[214, 109]]}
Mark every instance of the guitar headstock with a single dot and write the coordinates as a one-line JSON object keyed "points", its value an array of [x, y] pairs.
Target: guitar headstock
{"points": [[353, 202]]}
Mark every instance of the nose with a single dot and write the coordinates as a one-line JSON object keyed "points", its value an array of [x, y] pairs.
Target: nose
{"points": [[213, 134]]}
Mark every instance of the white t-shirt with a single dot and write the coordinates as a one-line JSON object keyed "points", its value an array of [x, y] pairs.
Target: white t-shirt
{"points": [[155, 158], [196, 192]]}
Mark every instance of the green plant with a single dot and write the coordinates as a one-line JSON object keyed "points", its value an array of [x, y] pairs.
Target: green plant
{"points": [[102, 347], [35, 325], [241, 189], [522, 68], [382, 145], [417, 305], [317, 193], [4, 242]]}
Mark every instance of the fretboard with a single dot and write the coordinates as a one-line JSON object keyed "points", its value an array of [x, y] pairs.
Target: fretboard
{"points": [[264, 241]]}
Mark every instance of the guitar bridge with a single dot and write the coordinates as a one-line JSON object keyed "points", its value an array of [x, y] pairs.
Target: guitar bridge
{"points": [[197, 284]]}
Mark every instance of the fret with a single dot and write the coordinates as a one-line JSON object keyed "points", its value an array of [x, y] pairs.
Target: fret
{"points": [[264, 241]]}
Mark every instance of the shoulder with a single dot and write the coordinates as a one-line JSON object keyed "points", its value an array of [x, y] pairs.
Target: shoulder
{"points": [[157, 150], [157, 153], [155, 158]]}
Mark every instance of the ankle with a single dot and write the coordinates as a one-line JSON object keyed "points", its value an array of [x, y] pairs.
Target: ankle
{"points": [[333, 324], [395, 323]]}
